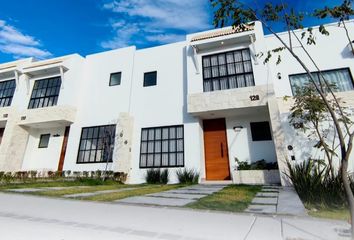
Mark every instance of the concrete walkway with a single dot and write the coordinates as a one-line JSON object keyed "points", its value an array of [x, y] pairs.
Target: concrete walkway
{"points": [[41, 189], [63, 219], [176, 197], [277, 200]]}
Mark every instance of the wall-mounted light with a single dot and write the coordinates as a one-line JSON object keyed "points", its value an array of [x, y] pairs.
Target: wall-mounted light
{"points": [[238, 128], [279, 75], [222, 43]]}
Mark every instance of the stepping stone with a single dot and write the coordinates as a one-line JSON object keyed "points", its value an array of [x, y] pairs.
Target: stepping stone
{"points": [[89, 194], [25, 190], [267, 194], [255, 208], [269, 190], [177, 195], [156, 201], [267, 201], [196, 192]]}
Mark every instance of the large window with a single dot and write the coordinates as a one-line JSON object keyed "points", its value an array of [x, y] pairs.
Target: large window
{"points": [[7, 89], [341, 80], [162, 147], [45, 93], [96, 144], [227, 70]]}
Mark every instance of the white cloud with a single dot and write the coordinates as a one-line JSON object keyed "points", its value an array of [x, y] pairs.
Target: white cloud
{"points": [[158, 21], [18, 44]]}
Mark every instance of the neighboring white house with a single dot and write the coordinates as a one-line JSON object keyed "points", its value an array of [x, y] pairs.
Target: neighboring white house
{"points": [[198, 104]]}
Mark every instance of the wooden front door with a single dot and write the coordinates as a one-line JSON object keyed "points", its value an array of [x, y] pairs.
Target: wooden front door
{"points": [[216, 150], [63, 149]]}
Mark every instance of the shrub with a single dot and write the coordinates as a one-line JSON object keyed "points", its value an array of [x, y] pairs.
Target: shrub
{"points": [[33, 174], [164, 176], [187, 176], [315, 185], [257, 165], [156, 176]]}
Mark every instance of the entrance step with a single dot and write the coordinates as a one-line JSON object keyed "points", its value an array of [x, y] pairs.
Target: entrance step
{"points": [[221, 182], [267, 194]]}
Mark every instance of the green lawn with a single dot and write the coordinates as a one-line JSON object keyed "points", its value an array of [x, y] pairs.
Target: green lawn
{"points": [[339, 213], [233, 198]]}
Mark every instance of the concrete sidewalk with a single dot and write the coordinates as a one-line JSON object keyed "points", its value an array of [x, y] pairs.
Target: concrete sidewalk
{"points": [[31, 217]]}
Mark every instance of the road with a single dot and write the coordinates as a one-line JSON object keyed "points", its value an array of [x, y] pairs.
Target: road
{"points": [[39, 218]]}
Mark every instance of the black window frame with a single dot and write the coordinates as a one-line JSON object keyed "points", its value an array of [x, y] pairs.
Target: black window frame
{"points": [[324, 71], [145, 80], [7, 91], [169, 165], [110, 79], [41, 139], [267, 132], [44, 101], [97, 145], [227, 72]]}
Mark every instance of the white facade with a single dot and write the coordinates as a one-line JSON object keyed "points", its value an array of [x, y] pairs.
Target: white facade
{"points": [[86, 99]]}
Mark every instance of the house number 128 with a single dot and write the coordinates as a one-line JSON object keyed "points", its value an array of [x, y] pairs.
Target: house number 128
{"points": [[254, 97]]}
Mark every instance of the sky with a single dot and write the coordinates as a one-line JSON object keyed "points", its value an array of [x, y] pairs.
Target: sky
{"points": [[51, 28]]}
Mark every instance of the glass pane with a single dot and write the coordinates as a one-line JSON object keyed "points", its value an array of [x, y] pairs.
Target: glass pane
{"points": [[223, 83], [143, 160], [179, 145], [173, 145], [157, 160], [150, 160], [180, 161], [173, 159], [157, 133], [165, 146], [144, 134], [115, 79], [222, 70], [221, 59], [157, 146], [164, 159], [172, 132], [215, 71], [216, 84], [229, 57], [246, 55], [238, 56], [150, 147], [207, 85], [206, 62], [240, 81], [232, 82], [179, 132], [207, 72], [165, 133], [214, 61], [151, 135], [239, 68], [249, 80], [150, 79]]}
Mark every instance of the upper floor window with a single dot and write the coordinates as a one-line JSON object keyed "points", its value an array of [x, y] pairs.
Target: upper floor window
{"points": [[7, 90], [115, 79], [340, 79], [45, 93], [227, 70], [96, 144], [162, 147], [150, 79]]}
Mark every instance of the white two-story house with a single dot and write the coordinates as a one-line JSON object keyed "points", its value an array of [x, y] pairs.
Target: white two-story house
{"points": [[200, 104]]}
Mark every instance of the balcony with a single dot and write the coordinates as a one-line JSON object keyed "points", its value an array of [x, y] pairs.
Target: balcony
{"points": [[229, 100], [49, 117]]}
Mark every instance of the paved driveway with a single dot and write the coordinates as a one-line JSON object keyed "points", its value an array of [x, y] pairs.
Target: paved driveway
{"points": [[30, 217]]}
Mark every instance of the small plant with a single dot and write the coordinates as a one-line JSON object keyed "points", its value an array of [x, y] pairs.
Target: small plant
{"points": [[8, 177], [33, 174], [187, 176], [85, 174], [98, 174], [156, 176], [120, 177], [67, 173]]}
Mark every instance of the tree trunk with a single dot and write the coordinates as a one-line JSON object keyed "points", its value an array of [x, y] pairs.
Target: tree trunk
{"points": [[349, 193]]}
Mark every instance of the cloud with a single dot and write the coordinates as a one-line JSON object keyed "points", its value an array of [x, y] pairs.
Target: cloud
{"points": [[149, 22], [18, 44]]}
